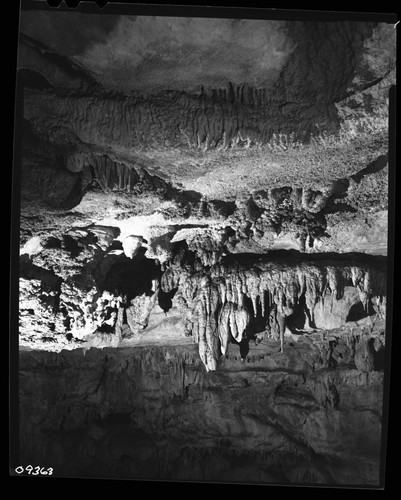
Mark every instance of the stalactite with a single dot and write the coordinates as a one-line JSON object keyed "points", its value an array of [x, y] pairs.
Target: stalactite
{"points": [[112, 175], [281, 321], [217, 296], [224, 327]]}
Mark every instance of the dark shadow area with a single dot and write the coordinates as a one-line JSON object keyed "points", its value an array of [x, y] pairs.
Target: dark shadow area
{"points": [[332, 362], [297, 320], [372, 168], [379, 359], [53, 242], [222, 208], [326, 258], [182, 254], [190, 196], [29, 271], [358, 311], [60, 61], [258, 320], [244, 348], [71, 36], [71, 246], [336, 208], [165, 299], [132, 277], [106, 328], [311, 322], [33, 79], [115, 245]]}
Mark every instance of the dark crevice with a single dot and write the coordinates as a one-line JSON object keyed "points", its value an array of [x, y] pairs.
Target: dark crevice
{"points": [[295, 255]]}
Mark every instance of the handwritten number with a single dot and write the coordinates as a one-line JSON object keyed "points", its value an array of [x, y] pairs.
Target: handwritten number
{"points": [[37, 470]]}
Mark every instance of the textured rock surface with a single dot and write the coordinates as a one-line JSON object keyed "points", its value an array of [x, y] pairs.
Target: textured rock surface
{"points": [[154, 412], [203, 241]]}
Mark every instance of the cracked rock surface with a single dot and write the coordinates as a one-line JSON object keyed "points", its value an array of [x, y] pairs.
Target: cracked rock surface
{"points": [[203, 247]]}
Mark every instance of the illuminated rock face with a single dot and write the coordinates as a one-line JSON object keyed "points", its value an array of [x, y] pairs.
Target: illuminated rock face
{"points": [[203, 256]]}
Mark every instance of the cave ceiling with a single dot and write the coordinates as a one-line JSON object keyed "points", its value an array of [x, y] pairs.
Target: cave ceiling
{"points": [[205, 103]]}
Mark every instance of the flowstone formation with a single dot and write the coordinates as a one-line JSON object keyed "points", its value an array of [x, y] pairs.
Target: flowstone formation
{"points": [[203, 246]]}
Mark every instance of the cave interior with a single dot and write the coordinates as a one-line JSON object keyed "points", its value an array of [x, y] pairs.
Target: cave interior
{"points": [[203, 235]]}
